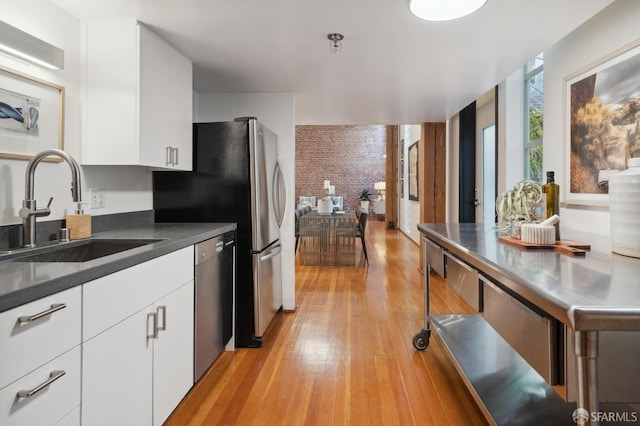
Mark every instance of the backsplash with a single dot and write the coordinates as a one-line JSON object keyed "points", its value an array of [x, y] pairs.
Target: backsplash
{"points": [[11, 235]]}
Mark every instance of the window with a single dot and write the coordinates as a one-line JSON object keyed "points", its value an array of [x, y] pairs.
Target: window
{"points": [[534, 107]]}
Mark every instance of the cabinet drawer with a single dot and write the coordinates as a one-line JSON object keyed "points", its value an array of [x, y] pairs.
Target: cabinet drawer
{"points": [[434, 256], [464, 280], [110, 299], [26, 345], [528, 333], [50, 404]]}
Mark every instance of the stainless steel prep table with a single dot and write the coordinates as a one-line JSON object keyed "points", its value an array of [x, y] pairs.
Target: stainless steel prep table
{"points": [[591, 294]]}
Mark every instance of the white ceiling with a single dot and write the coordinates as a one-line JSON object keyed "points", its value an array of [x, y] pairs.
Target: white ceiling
{"points": [[394, 68]]}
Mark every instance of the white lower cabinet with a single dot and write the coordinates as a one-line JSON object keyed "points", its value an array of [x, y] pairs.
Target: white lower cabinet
{"points": [[44, 396], [37, 332], [135, 362], [117, 371], [136, 372], [40, 360], [139, 366], [172, 352]]}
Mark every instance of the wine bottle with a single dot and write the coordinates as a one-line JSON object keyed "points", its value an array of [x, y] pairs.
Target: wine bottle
{"points": [[551, 191]]}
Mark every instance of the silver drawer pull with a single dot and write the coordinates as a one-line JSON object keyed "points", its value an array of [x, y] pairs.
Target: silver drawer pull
{"points": [[54, 308], [53, 376]]}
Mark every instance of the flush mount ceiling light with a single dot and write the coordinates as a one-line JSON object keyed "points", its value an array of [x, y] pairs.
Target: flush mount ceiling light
{"points": [[335, 42], [444, 10], [22, 45]]}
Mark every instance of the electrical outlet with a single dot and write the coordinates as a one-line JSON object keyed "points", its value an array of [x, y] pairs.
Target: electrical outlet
{"points": [[97, 199]]}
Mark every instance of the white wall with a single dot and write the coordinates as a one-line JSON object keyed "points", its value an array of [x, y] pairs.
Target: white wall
{"points": [[612, 29], [408, 210], [277, 112], [511, 130], [126, 188]]}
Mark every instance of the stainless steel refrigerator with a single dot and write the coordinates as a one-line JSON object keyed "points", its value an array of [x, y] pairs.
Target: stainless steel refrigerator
{"points": [[236, 178]]}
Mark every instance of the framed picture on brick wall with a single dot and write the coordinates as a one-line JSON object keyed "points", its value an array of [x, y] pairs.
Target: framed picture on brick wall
{"points": [[413, 171]]}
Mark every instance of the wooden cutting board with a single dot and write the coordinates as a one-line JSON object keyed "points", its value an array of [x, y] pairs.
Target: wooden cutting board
{"points": [[571, 248]]}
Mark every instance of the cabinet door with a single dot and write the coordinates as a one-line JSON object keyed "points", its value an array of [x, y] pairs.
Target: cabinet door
{"points": [[117, 374], [111, 93], [155, 99], [182, 110], [173, 351], [135, 76]]}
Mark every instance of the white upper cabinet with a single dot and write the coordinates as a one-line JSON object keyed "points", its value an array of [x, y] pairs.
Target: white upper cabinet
{"points": [[138, 98]]}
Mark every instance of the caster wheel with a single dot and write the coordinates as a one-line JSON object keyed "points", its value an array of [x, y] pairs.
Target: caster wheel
{"points": [[420, 341]]}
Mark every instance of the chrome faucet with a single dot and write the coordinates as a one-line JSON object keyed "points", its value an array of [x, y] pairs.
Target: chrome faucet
{"points": [[29, 212]]}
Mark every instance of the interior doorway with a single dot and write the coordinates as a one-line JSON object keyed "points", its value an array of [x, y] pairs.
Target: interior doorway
{"points": [[486, 212], [486, 151]]}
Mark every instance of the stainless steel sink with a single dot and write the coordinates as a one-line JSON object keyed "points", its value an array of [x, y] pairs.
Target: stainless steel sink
{"points": [[79, 251]]}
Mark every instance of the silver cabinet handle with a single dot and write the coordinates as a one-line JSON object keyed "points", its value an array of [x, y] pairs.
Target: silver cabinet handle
{"points": [[168, 156], [53, 376], [162, 309], [54, 308], [175, 156], [154, 327]]}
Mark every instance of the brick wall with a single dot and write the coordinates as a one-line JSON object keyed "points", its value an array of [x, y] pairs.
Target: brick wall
{"points": [[351, 157]]}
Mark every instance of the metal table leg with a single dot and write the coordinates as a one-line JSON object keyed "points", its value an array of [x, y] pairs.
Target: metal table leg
{"points": [[421, 339], [586, 349]]}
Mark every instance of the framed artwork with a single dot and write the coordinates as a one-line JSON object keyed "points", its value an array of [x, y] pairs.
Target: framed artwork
{"points": [[602, 125], [401, 166], [31, 115], [413, 171]]}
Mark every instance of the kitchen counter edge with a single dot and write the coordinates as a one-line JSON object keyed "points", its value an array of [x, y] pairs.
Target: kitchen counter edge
{"points": [[173, 236]]}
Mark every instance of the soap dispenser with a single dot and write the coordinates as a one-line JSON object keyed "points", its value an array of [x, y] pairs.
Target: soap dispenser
{"points": [[79, 224]]}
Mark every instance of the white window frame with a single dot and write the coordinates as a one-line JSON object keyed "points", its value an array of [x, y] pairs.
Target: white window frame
{"points": [[529, 74]]}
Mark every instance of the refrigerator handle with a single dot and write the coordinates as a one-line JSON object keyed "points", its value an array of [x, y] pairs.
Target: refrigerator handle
{"points": [[279, 195], [272, 252]]}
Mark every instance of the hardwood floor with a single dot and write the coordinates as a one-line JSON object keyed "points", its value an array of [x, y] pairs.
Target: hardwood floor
{"points": [[345, 357]]}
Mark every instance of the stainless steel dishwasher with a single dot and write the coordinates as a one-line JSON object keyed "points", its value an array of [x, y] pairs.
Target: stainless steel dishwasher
{"points": [[215, 279]]}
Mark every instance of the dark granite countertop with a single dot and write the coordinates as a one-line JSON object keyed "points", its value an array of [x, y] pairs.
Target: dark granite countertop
{"points": [[23, 282]]}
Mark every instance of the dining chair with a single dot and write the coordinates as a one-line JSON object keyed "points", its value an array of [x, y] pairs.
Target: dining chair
{"points": [[362, 225], [307, 201], [299, 212]]}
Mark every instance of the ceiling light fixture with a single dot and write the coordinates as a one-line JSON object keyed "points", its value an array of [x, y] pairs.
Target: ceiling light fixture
{"points": [[444, 10], [335, 42], [19, 44]]}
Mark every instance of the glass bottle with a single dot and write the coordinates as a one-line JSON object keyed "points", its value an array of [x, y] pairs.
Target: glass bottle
{"points": [[551, 191]]}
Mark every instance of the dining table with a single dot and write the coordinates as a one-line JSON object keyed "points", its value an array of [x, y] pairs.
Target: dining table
{"points": [[328, 239]]}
